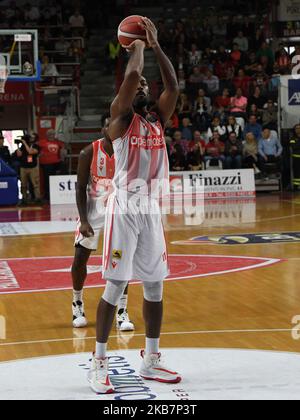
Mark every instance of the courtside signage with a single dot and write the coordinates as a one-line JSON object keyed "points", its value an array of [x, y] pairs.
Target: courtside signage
{"points": [[216, 184], [63, 189]]}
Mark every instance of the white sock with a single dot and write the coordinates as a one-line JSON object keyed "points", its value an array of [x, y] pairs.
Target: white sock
{"points": [[100, 350], [152, 345], [77, 295], [122, 306]]}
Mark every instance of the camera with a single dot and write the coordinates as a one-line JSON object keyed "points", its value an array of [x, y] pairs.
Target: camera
{"points": [[19, 141]]}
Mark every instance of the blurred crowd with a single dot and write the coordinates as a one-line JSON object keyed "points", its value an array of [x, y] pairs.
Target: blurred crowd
{"points": [[227, 113]]}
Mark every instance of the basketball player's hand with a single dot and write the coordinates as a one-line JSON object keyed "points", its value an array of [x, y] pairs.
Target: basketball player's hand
{"points": [[138, 43], [151, 32], [86, 230]]}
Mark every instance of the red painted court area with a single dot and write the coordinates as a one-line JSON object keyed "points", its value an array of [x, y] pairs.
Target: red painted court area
{"points": [[54, 273]]}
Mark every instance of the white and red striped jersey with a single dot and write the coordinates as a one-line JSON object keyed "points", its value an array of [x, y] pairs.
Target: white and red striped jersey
{"points": [[102, 172], [141, 159]]}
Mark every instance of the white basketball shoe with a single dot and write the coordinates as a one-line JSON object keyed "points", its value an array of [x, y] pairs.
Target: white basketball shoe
{"points": [[79, 319], [98, 376], [124, 323], [153, 370]]}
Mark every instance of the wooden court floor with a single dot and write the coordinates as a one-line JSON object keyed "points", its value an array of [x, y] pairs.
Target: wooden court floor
{"points": [[250, 309]]}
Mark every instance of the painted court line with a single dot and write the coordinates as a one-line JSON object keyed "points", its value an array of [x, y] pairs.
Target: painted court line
{"points": [[61, 340]]}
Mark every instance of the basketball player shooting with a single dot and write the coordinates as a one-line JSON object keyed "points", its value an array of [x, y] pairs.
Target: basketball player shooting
{"points": [[95, 171], [134, 242]]}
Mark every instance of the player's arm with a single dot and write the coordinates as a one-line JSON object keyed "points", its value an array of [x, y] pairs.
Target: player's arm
{"points": [[122, 105], [83, 175], [168, 99]]}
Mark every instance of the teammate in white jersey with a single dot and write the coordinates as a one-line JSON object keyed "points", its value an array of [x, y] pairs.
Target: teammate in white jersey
{"points": [[134, 242], [96, 169]]}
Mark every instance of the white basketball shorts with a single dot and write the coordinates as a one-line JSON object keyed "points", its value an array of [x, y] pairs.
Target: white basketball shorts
{"points": [[96, 218], [134, 241]]}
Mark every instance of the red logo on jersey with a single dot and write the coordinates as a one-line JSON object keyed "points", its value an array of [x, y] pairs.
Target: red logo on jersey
{"points": [[114, 264]]}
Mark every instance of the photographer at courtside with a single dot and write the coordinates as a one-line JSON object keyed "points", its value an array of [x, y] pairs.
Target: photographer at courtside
{"points": [[28, 152]]}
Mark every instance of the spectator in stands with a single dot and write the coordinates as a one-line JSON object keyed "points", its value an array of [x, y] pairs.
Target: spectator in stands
{"points": [[212, 83], [251, 64], [233, 152], [179, 140], [216, 126], [182, 80], [195, 56], [274, 81], [236, 55], [214, 150], [238, 105], [253, 110], [52, 155], [196, 77], [187, 129], [257, 98], [4, 150], [295, 153], [260, 77], [49, 69], [75, 51], [266, 51], [242, 81], [283, 61], [222, 103], [270, 116], [113, 51], [202, 117], [253, 127], [195, 154], [77, 24], [234, 127], [29, 168], [62, 46], [250, 153], [184, 107], [177, 159], [203, 98], [242, 42], [270, 149], [197, 138]]}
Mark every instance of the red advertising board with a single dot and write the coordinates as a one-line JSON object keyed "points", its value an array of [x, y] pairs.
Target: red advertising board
{"points": [[16, 93]]}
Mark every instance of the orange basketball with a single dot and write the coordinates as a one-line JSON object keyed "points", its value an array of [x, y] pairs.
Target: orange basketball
{"points": [[129, 30]]}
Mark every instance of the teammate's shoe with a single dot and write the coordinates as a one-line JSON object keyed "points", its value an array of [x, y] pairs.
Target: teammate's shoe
{"points": [[124, 323], [79, 319], [98, 376], [153, 370]]}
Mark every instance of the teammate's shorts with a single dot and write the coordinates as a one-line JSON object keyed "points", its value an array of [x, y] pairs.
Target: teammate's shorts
{"points": [[134, 241], [96, 218]]}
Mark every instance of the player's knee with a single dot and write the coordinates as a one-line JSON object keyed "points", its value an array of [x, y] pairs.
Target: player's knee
{"points": [[81, 258], [114, 291], [153, 292]]}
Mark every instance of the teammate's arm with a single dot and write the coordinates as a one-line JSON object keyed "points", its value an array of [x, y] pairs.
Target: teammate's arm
{"points": [[83, 174], [122, 105], [168, 99]]}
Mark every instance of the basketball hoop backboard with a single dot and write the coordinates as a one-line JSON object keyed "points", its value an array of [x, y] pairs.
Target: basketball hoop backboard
{"points": [[19, 54]]}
